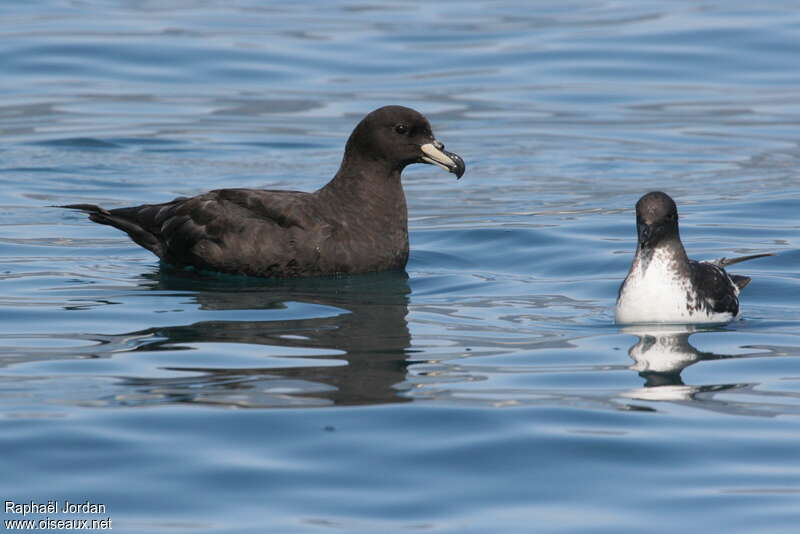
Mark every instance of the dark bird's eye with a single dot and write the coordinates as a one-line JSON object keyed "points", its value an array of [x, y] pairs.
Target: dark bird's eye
{"points": [[401, 128]]}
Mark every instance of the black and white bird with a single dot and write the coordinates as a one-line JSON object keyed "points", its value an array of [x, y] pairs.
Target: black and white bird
{"points": [[664, 285], [357, 223]]}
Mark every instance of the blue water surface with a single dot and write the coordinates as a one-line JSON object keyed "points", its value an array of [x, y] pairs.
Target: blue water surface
{"points": [[485, 389]]}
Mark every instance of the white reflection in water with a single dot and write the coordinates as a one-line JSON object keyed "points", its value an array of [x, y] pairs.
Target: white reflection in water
{"points": [[662, 352]]}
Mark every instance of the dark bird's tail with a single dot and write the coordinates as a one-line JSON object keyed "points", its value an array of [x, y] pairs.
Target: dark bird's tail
{"points": [[118, 219]]}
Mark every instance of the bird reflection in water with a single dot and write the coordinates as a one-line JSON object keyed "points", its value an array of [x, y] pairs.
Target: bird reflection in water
{"points": [[661, 353], [369, 340]]}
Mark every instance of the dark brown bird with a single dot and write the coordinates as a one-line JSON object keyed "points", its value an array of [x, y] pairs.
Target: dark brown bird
{"points": [[357, 223]]}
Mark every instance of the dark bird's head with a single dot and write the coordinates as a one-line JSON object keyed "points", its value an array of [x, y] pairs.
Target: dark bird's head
{"points": [[396, 136], [656, 219]]}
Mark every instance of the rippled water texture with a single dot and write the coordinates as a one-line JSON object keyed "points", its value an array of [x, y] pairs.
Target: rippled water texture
{"points": [[486, 389]]}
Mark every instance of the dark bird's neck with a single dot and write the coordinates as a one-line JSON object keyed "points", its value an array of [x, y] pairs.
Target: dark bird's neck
{"points": [[371, 199], [369, 185]]}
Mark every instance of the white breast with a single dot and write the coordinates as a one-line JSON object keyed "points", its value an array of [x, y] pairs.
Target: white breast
{"points": [[659, 295]]}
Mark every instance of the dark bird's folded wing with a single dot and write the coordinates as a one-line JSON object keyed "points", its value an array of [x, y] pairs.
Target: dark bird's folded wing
{"points": [[212, 229]]}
